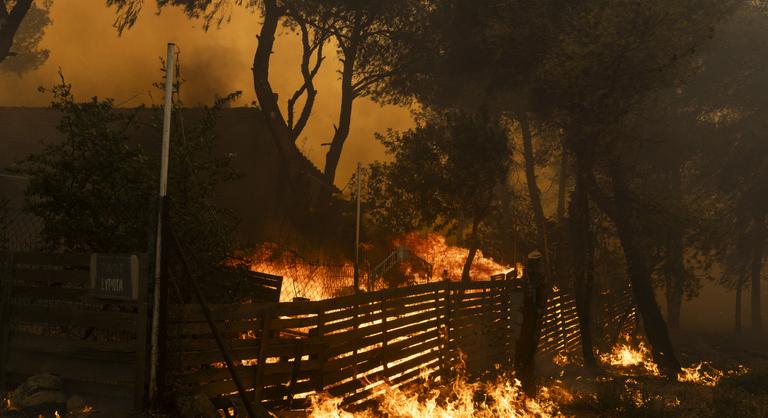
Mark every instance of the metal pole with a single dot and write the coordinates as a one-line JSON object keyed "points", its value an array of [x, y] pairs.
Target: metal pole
{"points": [[154, 353], [357, 235]]}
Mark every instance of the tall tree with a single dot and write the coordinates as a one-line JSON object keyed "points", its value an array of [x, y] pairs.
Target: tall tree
{"points": [[366, 34], [611, 56], [450, 168], [284, 131], [22, 25]]}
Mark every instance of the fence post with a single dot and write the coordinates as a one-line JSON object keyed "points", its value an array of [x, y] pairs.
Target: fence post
{"points": [[323, 357], [382, 301], [530, 329], [266, 323], [6, 286], [142, 318], [447, 337]]}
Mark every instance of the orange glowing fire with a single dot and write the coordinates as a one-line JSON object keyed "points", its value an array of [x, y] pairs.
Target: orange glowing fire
{"points": [[317, 281], [302, 278], [458, 399], [433, 248], [624, 355]]}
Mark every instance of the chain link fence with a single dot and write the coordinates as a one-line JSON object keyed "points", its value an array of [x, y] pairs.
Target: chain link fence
{"points": [[20, 231]]}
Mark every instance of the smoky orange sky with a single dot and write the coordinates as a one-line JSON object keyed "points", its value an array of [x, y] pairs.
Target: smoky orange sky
{"points": [[98, 62]]}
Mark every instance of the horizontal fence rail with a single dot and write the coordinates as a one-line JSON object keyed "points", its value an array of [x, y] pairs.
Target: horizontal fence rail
{"points": [[348, 346], [50, 323]]}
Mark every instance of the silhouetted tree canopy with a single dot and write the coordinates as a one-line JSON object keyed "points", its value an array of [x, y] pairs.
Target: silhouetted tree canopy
{"points": [[22, 26]]}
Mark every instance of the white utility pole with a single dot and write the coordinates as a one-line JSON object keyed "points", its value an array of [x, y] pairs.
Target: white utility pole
{"points": [[357, 234], [154, 354]]}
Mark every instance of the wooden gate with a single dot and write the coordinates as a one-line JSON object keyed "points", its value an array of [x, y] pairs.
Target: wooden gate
{"points": [[50, 323]]}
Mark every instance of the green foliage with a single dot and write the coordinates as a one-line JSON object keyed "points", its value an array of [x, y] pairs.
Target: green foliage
{"points": [[195, 173], [96, 190], [443, 172], [92, 189]]}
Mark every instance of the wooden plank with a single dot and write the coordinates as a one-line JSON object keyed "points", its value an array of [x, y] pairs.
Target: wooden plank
{"points": [[249, 350], [366, 341], [220, 312], [277, 324], [71, 316], [259, 375], [5, 315], [51, 293], [214, 374], [345, 388], [190, 329], [89, 390], [382, 357], [380, 353], [76, 277], [30, 363], [142, 331], [76, 349], [52, 259]]}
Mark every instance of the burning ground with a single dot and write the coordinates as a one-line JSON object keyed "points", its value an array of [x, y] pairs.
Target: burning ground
{"points": [[723, 376]]}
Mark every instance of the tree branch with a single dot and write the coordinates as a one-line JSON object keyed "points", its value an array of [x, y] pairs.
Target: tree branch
{"points": [[309, 48], [3, 13], [11, 26]]}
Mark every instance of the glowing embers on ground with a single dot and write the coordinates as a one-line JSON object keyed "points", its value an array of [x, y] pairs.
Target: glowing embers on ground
{"points": [[628, 357], [624, 355], [459, 398], [704, 373]]}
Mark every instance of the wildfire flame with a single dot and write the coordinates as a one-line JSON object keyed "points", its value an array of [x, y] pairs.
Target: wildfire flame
{"points": [[301, 278], [705, 374], [317, 281], [434, 249], [624, 355], [461, 398]]}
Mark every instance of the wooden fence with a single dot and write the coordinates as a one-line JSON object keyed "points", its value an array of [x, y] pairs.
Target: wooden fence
{"points": [[347, 346], [50, 324], [560, 329]]}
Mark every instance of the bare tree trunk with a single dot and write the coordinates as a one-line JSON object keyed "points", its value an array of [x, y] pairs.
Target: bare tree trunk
{"points": [[533, 188], [583, 269], [341, 132], [756, 270], [9, 25], [473, 246], [561, 185], [261, 59], [296, 166], [737, 313], [675, 267], [675, 275], [637, 257]]}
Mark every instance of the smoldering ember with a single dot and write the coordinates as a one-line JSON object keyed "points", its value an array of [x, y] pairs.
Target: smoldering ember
{"points": [[401, 208]]}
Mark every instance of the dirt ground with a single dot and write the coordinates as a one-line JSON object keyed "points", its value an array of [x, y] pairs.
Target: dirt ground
{"points": [[635, 393]]}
